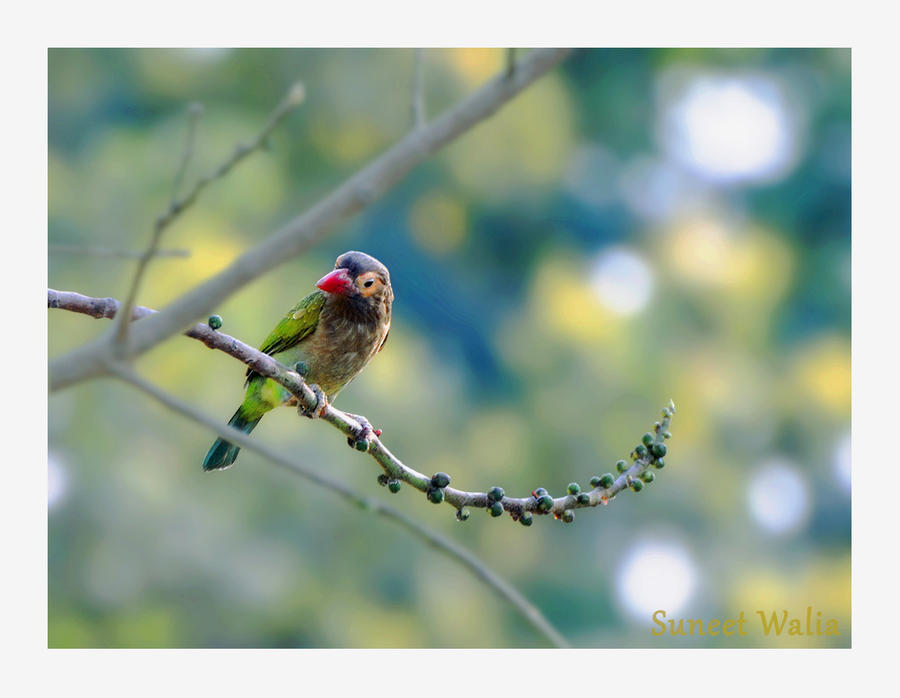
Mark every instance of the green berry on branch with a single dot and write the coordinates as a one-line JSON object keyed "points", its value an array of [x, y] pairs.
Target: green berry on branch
{"points": [[436, 495], [539, 492], [660, 463], [607, 480], [568, 516], [659, 450], [667, 435], [647, 439], [641, 450], [495, 494], [215, 322], [595, 481], [545, 502], [440, 480], [383, 479], [302, 368], [526, 519], [394, 486], [636, 485], [647, 476], [573, 488], [584, 498], [621, 466], [361, 445], [495, 509], [462, 514]]}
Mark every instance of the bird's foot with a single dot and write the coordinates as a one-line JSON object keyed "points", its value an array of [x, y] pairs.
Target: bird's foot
{"points": [[321, 403], [364, 434]]}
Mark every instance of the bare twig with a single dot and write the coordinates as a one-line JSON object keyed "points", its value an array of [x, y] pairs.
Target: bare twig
{"points": [[496, 583], [510, 62], [418, 90], [195, 111], [393, 467], [356, 193], [97, 251], [177, 206]]}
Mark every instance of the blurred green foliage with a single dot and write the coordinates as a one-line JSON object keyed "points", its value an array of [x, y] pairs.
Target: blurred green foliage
{"points": [[560, 272]]}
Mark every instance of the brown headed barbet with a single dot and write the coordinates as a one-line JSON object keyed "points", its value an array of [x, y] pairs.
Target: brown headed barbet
{"points": [[332, 333]]}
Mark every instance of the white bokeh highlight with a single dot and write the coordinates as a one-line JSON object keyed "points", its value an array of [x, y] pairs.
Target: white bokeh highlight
{"points": [[778, 497], [622, 280], [57, 481], [729, 128], [656, 575], [842, 458]]}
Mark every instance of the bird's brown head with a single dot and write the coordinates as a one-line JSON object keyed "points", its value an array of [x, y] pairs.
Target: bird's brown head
{"points": [[360, 277]]}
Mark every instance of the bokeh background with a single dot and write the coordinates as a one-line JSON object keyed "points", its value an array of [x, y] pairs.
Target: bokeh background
{"points": [[637, 226]]}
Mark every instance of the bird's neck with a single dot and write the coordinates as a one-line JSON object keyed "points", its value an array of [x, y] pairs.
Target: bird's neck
{"points": [[360, 310]]}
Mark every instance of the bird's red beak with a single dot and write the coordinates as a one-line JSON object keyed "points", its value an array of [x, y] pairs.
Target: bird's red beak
{"points": [[337, 281]]}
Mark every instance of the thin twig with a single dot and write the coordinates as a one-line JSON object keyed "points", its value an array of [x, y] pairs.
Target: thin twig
{"points": [[195, 111], [357, 192], [417, 109], [292, 99], [496, 583], [348, 425], [97, 251]]}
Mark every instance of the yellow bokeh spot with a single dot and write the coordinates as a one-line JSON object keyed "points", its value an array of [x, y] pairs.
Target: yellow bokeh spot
{"points": [[761, 589], [707, 252], [475, 65], [822, 370], [700, 251], [437, 222], [212, 245]]}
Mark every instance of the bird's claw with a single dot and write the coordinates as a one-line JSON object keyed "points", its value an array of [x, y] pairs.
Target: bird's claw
{"points": [[321, 403], [365, 431]]}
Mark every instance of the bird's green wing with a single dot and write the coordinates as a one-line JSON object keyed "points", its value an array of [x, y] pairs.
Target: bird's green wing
{"points": [[296, 326]]}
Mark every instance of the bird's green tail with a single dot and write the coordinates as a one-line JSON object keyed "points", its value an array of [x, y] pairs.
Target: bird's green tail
{"points": [[223, 454]]}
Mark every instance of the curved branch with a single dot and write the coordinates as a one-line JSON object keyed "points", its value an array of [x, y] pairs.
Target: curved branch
{"points": [[521, 508], [357, 192], [503, 588]]}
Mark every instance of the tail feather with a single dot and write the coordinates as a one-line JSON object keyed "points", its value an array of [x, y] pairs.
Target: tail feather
{"points": [[223, 453]]}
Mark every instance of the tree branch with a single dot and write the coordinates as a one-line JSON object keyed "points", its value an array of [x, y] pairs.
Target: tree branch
{"points": [[177, 206], [499, 585], [646, 456], [354, 194]]}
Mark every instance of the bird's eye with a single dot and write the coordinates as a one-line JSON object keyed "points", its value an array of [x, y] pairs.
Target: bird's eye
{"points": [[369, 283]]}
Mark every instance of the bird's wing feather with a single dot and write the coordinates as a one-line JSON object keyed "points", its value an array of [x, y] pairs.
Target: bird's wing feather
{"points": [[297, 325]]}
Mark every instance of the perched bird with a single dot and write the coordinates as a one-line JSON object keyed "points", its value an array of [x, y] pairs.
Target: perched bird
{"points": [[333, 333]]}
